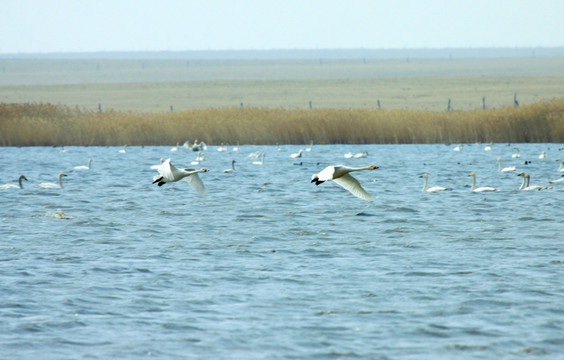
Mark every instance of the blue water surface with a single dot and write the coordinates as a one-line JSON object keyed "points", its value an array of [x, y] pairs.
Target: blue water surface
{"points": [[267, 265]]}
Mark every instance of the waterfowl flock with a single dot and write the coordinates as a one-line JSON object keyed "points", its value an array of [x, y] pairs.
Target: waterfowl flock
{"points": [[167, 173]]}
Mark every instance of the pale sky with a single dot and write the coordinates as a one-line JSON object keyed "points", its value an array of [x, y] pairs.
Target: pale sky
{"points": [[48, 26]]}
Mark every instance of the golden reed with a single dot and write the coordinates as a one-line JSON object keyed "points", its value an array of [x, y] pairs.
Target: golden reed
{"points": [[51, 125]]}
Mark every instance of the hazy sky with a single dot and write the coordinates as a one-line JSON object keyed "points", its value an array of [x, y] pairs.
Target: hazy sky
{"points": [[32, 26]]}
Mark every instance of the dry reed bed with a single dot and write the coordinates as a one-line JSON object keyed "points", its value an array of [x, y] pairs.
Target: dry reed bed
{"points": [[48, 125]]}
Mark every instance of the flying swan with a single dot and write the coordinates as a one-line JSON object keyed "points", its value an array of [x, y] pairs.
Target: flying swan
{"points": [[53, 185], [432, 189], [12, 186], [340, 175], [480, 189], [169, 173]]}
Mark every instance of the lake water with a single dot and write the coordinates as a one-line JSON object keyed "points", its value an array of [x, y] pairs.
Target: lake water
{"points": [[269, 266]]}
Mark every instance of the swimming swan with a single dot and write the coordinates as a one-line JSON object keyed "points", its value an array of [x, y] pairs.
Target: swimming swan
{"points": [[12, 186], [310, 146], [432, 189], [169, 173], [296, 155], [561, 167], [505, 169], [558, 181], [340, 175], [480, 189], [82, 167], [517, 154], [123, 151], [525, 183], [261, 161], [53, 185], [156, 167], [232, 167]]}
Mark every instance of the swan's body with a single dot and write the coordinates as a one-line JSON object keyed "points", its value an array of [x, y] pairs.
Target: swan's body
{"points": [[222, 147], [310, 146], [457, 148], [232, 167], [254, 155], [12, 186], [296, 155], [341, 175], [261, 161], [348, 155], [53, 185], [123, 151], [175, 148], [361, 155], [488, 148], [525, 183], [505, 169], [83, 167], [479, 189], [169, 173], [431, 189], [236, 148]]}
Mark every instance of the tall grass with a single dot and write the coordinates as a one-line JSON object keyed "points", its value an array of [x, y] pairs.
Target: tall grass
{"points": [[48, 125]]}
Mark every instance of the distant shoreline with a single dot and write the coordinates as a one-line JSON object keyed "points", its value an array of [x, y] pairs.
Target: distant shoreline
{"points": [[277, 54]]}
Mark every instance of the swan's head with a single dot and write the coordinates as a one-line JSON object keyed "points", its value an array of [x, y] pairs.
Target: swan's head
{"points": [[522, 174], [498, 159], [204, 170], [472, 174], [423, 175], [372, 167], [22, 177], [62, 174]]}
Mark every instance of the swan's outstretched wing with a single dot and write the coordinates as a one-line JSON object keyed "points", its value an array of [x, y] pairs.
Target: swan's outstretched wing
{"points": [[196, 183], [351, 184], [167, 171]]}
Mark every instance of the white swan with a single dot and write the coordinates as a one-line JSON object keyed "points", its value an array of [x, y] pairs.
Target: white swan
{"points": [[525, 183], [156, 167], [12, 186], [458, 148], [310, 146], [561, 167], [296, 155], [348, 155], [169, 173], [175, 148], [236, 148], [232, 167], [341, 175], [254, 155], [222, 147], [199, 158], [542, 155], [83, 167], [53, 185], [480, 189], [517, 154], [361, 155], [488, 148], [505, 169], [432, 189], [261, 161], [123, 151], [557, 181]]}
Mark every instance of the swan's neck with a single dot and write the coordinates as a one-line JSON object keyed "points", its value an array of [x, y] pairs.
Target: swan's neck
{"points": [[473, 181], [499, 165], [561, 166], [523, 183], [365, 168], [61, 181], [425, 185], [20, 182]]}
